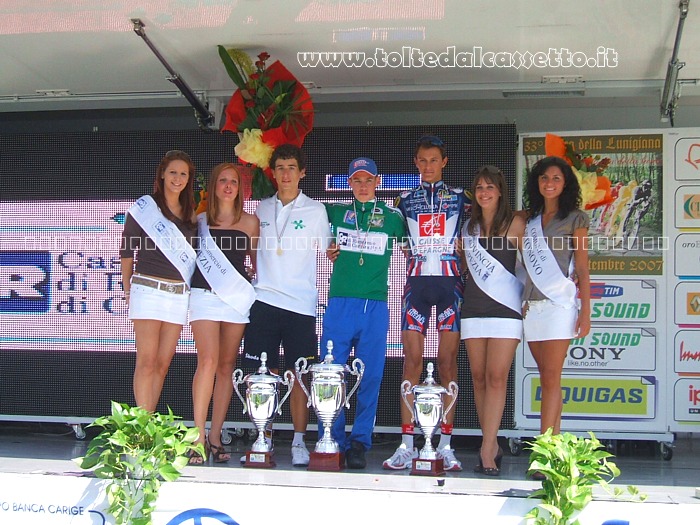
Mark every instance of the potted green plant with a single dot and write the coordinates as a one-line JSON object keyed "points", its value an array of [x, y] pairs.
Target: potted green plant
{"points": [[571, 467], [135, 451]]}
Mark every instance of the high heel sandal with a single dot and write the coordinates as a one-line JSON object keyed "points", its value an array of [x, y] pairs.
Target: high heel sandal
{"points": [[537, 475], [218, 453], [195, 458], [490, 471]]}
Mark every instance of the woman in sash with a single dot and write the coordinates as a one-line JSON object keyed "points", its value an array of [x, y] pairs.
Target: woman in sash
{"points": [[555, 252], [491, 313], [161, 228], [221, 299]]}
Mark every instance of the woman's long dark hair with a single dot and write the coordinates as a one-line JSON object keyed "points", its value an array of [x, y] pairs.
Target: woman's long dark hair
{"points": [[186, 196], [504, 213], [570, 198]]}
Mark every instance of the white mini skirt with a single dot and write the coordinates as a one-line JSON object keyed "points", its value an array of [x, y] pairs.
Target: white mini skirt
{"points": [[158, 305], [546, 321], [207, 306], [491, 327]]}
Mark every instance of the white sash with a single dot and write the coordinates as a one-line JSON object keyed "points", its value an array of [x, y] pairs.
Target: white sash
{"points": [[490, 275], [222, 276], [543, 268], [169, 240]]}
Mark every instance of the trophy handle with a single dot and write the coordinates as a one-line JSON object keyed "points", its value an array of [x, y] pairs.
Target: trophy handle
{"points": [[405, 390], [237, 380], [357, 369], [289, 383], [301, 368], [452, 390]]}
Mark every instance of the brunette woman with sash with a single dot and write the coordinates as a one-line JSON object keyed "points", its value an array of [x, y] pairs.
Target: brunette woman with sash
{"points": [[161, 228], [491, 312], [555, 251], [221, 299]]}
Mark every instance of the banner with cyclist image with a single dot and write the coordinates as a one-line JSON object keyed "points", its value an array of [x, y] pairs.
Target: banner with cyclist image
{"points": [[621, 182]]}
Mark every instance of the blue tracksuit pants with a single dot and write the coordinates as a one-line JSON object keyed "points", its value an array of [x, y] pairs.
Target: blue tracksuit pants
{"points": [[363, 324]]}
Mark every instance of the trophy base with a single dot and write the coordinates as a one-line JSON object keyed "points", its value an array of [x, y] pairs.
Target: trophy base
{"points": [[326, 461], [428, 467], [259, 460]]}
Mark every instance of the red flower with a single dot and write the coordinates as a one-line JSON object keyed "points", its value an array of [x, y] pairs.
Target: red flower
{"points": [[296, 119]]}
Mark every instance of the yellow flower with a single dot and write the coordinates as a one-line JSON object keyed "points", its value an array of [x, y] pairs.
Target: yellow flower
{"points": [[253, 150], [591, 193]]}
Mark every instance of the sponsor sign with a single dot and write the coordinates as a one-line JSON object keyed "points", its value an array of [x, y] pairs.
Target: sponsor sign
{"points": [[25, 282], [431, 224], [686, 352], [686, 400], [686, 311], [623, 301], [687, 207], [597, 397], [609, 348], [60, 279], [687, 255], [687, 157]]}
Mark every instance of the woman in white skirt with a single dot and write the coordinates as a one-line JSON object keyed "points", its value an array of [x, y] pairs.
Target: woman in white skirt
{"points": [[555, 253], [159, 230], [491, 323], [219, 307]]}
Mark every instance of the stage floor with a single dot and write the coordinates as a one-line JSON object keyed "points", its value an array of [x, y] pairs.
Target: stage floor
{"points": [[33, 451], [640, 462]]}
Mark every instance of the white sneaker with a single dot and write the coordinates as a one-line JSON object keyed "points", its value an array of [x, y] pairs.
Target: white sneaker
{"points": [[402, 458], [447, 454], [300, 455]]}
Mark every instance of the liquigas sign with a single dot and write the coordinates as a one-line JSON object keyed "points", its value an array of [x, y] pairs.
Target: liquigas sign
{"points": [[623, 301], [600, 397], [610, 348]]}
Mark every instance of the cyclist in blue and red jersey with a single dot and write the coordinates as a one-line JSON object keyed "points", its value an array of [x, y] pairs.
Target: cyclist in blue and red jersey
{"points": [[434, 213]]}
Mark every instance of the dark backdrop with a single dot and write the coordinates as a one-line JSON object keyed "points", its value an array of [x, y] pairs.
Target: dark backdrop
{"points": [[58, 384]]}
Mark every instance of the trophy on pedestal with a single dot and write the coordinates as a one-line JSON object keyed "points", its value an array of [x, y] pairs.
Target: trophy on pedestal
{"points": [[427, 411], [328, 398], [262, 404]]}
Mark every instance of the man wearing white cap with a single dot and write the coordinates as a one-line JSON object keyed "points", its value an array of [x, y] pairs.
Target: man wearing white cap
{"points": [[358, 314]]}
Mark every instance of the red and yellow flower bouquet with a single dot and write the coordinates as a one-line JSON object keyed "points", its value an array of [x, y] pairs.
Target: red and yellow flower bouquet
{"points": [[269, 108], [595, 186]]}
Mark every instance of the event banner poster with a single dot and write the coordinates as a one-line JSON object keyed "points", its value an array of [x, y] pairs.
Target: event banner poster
{"points": [[625, 234]]}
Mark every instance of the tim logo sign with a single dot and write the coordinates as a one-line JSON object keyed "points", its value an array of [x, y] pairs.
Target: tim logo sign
{"points": [[25, 282]]}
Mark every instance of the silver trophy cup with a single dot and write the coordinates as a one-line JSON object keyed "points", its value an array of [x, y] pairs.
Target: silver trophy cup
{"points": [[427, 409], [262, 401], [327, 394]]}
